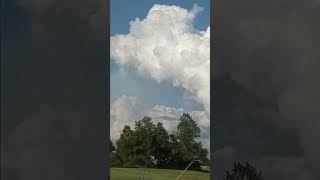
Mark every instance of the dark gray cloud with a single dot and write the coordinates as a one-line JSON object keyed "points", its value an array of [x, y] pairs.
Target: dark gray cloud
{"points": [[267, 63], [43, 13], [54, 90], [245, 122], [53, 144]]}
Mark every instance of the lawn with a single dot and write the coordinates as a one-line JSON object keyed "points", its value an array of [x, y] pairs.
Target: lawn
{"points": [[155, 174]]}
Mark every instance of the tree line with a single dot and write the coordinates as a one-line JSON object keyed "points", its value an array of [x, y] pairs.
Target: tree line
{"points": [[150, 144]]}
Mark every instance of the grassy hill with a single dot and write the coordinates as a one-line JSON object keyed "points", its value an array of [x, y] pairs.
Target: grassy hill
{"points": [[155, 174]]}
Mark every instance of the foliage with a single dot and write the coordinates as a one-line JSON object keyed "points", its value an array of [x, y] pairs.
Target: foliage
{"points": [[150, 143], [243, 172], [112, 147], [161, 146], [188, 130], [115, 160]]}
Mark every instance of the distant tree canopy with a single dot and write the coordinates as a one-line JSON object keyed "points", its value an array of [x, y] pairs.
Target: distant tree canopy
{"points": [[151, 143], [243, 172]]}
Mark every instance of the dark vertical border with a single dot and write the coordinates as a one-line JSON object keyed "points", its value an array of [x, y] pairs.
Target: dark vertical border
{"points": [[107, 36], [1, 113], [83, 149], [212, 49]]}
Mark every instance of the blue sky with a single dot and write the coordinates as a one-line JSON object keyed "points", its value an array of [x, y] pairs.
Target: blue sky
{"points": [[122, 12]]}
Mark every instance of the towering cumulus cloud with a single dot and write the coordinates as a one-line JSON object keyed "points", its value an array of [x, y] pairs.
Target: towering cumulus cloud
{"points": [[166, 47]]}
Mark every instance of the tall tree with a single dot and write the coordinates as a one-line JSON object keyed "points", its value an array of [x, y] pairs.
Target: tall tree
{"points": [[125, 146], [187, 130], [144, 133], [161, 146], [187, 133]]}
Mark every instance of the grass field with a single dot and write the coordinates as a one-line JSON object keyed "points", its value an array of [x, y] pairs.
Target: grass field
{"points": [[155, 174]]}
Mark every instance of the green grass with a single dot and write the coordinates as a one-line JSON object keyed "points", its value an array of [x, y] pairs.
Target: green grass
{"points": [[155, 174]]}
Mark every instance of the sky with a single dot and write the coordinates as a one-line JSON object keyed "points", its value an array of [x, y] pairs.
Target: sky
{"points": [[161, 93], [123, 11]]}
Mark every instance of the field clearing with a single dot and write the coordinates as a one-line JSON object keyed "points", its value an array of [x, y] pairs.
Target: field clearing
{"points": [[155, 174]]}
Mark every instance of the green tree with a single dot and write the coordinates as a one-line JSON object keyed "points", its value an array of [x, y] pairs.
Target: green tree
{"points": [[187, 130], [187, 133], [115, 161], [125, 146], [161, 146], [201, 153], [243, 172], [174, 146], [143, 139], [151, 144]]}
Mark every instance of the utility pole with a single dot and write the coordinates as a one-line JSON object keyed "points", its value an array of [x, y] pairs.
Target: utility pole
{"points": [[185, 170], [194, 158]]}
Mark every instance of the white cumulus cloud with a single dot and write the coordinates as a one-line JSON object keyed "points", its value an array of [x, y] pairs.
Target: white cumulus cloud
{"points": [[166, 47]]}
